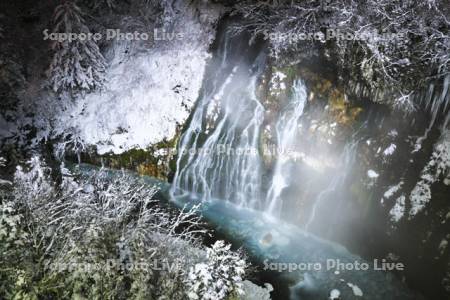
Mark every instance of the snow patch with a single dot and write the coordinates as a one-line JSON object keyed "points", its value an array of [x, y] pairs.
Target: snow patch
{"points": [[2, 161], [389, 150], [276, 83], [393, 133], [356, 290], [398, 211], [443, 246], [437, 167], [5, 182], [372, 174], [392, 190], [335, 294], [255, 292], [140, 105]]}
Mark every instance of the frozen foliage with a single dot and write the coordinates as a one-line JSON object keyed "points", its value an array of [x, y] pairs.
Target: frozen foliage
{"points": [[3, 181], [104, 238], [443, 246], [397, 212], [392, 190], [76, 64], [389, 150], [393, 133], [147, 95], [419, 50], [436, 169], [356, 290], [219, 276], [252, 291], [277, 84], [335, 294], [139, 105], [372, 174], [100, 4]]}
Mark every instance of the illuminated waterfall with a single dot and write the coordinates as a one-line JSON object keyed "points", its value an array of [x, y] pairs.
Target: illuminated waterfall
{"points": [[218, 154], [286, 132]]}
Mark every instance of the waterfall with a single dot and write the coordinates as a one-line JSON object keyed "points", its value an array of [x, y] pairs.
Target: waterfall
{"points": [[219, 151], [286, 133], [340, 176], [436, 102]]}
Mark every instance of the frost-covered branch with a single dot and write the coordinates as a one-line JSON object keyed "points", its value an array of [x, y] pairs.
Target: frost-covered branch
{"points": [[405, 43], [104, 236], [77, 64], [437, 168]]}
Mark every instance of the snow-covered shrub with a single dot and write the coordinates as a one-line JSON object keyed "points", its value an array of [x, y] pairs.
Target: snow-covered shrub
{"points": [[156, 88], [219, 276], [11, 238], [156, 82], [255, 292], [103, 237], [76, 64]]}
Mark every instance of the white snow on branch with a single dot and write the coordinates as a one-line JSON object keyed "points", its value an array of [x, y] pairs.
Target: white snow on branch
{"points": [[219, 276], [335, 294], [392, 190], [437, 168], [372, 174], [398, 211], [142, 103], [393, 133], [146, 95], [389, 150], [255, 292], [277, 83], [356, 290]]}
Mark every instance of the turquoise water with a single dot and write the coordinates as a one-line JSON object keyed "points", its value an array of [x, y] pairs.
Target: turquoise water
{"points": [[310, 267]]}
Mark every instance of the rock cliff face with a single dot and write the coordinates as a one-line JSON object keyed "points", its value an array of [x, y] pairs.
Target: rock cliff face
{"points": [[374, 178], [361, 171]]}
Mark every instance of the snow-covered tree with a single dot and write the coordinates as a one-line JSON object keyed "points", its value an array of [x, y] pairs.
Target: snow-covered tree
{"points": [[77, 64], [219, 276], [398, 45], [104, 237]]}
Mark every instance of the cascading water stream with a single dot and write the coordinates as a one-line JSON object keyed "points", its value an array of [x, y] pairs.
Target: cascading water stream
{"points": [[342, 172], [286, 132], [322, 176], [218, 153], [436, 101]]}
